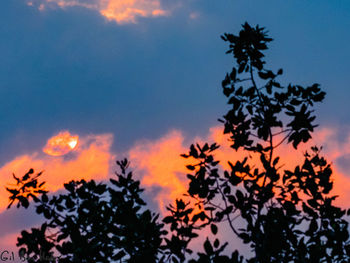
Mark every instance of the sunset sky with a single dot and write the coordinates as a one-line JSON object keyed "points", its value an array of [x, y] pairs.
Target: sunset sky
{"points": [[141, 79]]}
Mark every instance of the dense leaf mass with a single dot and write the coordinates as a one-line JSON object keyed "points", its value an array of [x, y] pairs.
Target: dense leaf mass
{"points": [[92, 223]]}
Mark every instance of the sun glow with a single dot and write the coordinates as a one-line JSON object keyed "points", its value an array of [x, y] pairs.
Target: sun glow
{"points": [[61, 144], [73, 143]]}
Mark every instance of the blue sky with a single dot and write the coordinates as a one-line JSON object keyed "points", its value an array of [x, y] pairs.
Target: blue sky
{"points": [[73, 69]]}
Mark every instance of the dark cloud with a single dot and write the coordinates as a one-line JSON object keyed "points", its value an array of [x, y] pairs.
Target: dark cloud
{"points": [[71, 69]]}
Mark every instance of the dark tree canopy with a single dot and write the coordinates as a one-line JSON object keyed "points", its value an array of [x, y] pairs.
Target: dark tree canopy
{"points": [[90, 222], [287, 215]]}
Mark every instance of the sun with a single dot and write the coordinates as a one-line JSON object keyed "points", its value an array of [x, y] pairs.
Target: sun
{"points": [[61, 144]]}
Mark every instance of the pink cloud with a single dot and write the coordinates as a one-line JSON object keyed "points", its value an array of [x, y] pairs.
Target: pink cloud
{"points": [[120, 11]]}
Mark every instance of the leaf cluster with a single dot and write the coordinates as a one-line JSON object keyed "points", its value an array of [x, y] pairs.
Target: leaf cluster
{"points": [[91, 222], [288, 216]]}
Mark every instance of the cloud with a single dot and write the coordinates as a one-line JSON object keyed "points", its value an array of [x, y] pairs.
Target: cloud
{"points": [[120, 11], [161, 165], [61, 144], [337, 149], [90, 159], [126, 11], [158, 165]]}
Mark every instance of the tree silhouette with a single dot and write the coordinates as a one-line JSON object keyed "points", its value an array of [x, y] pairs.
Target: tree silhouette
{"points": [[288, 214], [285, 215], [90, 223]]}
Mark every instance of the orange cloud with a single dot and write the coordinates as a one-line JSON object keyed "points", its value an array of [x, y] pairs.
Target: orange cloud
{"points": [[333, 146], [163, 167], [128, 10], [157, 163], [334, 149], [120, 11], [91, 159], [61, 144]]}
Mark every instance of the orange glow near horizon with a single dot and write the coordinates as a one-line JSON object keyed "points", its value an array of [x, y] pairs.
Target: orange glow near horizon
{"points": [[91, 160], [163, 167], [61, 144], [158, 165]]}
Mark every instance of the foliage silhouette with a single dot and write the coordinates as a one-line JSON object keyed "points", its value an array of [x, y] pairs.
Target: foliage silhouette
{"points": [[91, 223], [287, 215]]}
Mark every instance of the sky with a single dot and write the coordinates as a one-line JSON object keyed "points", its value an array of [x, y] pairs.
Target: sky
{"points": [[141, 79]]}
